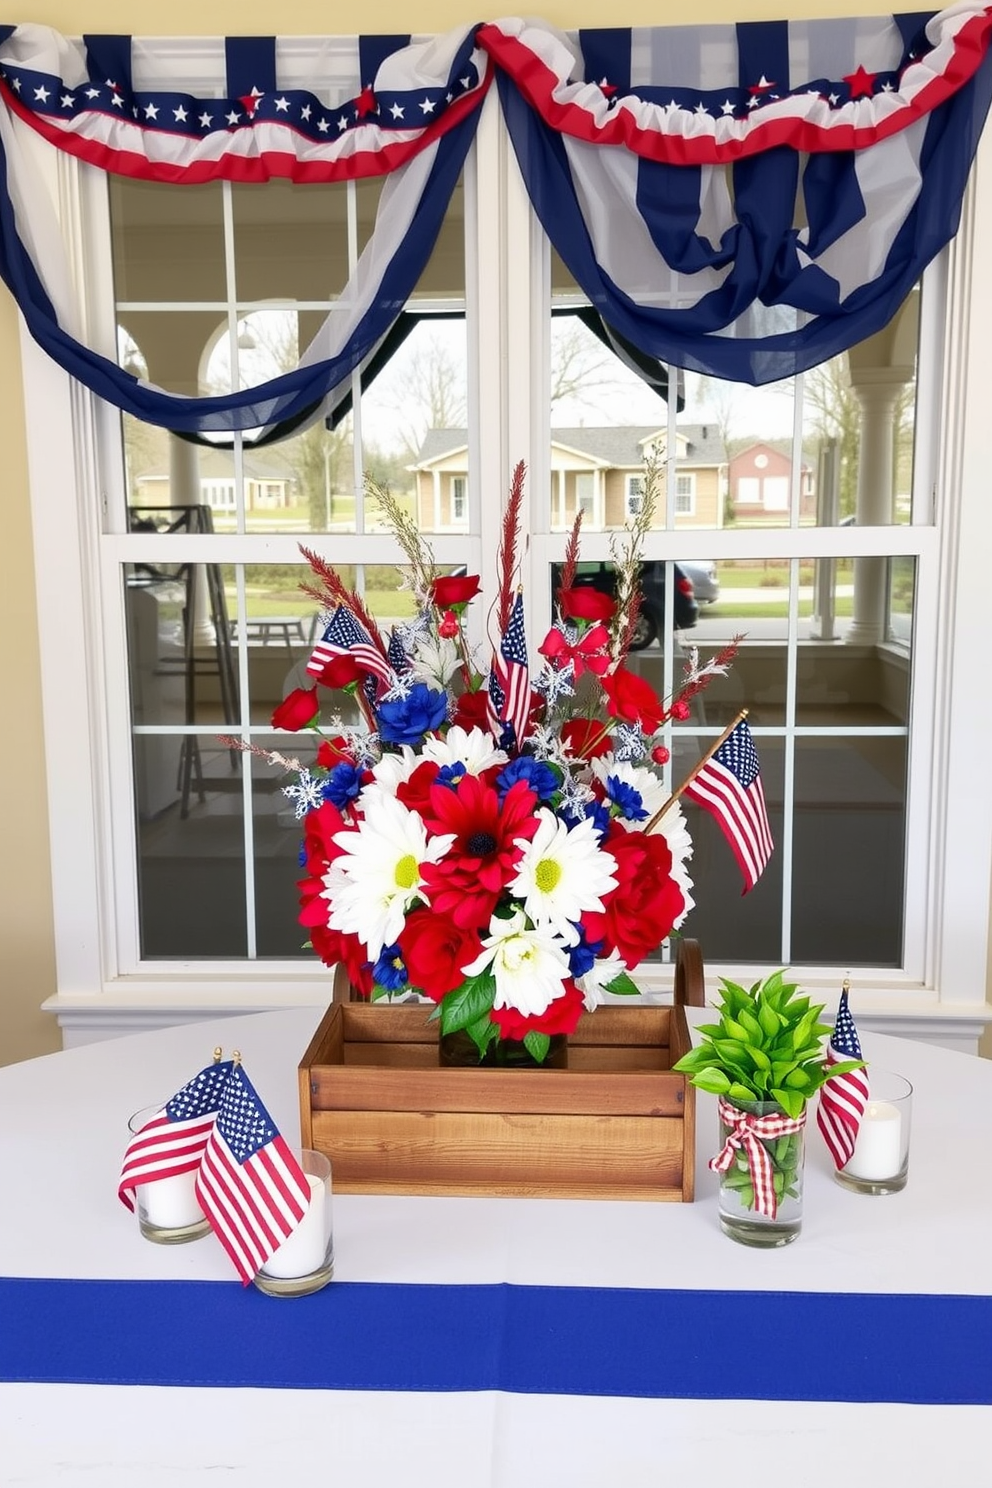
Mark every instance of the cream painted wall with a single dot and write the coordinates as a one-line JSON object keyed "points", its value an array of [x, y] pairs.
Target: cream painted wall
{"points": [[27, 970]]}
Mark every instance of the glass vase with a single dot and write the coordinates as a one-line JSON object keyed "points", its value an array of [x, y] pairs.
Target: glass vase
{"points": [[457, 1050], [741, 1214]]}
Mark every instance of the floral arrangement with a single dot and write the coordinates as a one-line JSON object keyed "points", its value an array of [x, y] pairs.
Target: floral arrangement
{"points": [[502, 843]]}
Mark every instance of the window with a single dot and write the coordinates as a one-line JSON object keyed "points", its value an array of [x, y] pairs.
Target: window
{"points": [[459, 499], [775, 492], [195, 883], [685, 494]]}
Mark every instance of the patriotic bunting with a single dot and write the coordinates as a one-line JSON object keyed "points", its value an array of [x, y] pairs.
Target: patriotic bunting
{"points": [[743, 200]]}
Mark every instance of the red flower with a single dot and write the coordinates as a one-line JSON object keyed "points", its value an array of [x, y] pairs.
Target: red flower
{"points": [[340, 671], [448, 625], [585, 737], [469, 879], [631, 698], [471, 709], [681, 711], [660, 754], [586, 603], [435, 949], [415, 793], [452, 589], [332, 751], [560, 1016], [298, 710], [647, 901]]}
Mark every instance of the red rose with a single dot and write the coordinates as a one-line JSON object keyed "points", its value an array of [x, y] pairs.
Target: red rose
{"points": [[448, 625], [454, 589], [471, 709], [631, 698], [585, 737], [647, 901], [586, 603], [560, 1017], [332, 751], [298, 710], [435, 949], [340, 671]]}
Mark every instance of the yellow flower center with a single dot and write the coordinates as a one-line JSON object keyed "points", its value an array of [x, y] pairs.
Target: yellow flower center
{"points": [[407, 872], [546, 875]]}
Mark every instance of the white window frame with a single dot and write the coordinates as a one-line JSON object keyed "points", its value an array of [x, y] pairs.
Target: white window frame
{"points": [[83, 653], [459, 498]]}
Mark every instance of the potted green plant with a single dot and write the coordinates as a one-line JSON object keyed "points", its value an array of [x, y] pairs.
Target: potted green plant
{"points": [[763, 1060]]}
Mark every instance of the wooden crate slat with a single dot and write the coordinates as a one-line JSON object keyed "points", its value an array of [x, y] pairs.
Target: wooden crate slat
{"points": [[369, 1088], [488, 1148]]}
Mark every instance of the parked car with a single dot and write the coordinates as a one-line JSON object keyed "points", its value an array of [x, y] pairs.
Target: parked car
{"points": [[705, 580], [651, 618]]}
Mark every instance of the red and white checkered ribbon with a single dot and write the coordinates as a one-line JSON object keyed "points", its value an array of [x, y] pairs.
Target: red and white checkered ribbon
{"points": [[752, 1132]]}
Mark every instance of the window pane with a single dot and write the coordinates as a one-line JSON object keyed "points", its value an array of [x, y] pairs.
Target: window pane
{"points": [[291, 242], [167, 241], [849, 851]]}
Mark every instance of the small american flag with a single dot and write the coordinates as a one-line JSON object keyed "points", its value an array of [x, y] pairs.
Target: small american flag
{"points": [[729, 787], [250, 1186], [843, 1097], [509, 679], [172, 1141], [344, 636]]}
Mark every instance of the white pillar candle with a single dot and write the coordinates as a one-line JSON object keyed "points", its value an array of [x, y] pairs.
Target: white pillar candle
{"points": [[303, 1252], [170, 1203], [878, 1149]]}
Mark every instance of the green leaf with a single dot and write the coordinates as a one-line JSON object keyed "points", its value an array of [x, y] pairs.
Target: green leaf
{"points": [[483, 1033], [759, 1056], [468, 1003], [798, 1079], [625, 986], [769, 1020], [734, 1030], [537, 1045], [712, 1079], [750, 1022], [741, 1092], [791, 1101]]}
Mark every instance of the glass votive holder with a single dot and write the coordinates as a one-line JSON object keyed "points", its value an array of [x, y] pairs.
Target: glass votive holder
{"points": [[304, 1262], [880, 1160], [168, 1210]]}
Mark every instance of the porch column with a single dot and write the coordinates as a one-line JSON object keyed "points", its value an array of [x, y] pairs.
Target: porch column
{"points": [[877, 389], [184, 490]]}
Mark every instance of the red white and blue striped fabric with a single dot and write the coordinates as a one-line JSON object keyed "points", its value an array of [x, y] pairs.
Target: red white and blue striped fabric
{"points": [[345, 636], [678, 95], [394, 97], [509, 681]]}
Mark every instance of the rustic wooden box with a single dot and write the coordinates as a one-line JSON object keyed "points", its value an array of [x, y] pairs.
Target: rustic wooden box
{"points": [[616, 1124]]}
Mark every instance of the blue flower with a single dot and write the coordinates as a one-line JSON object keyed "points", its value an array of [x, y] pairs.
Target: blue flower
{"points": [[301, 856], [596, 810], [406, 720], [626, 799], [582, 957], [450, 775], [390, 969], [538, 774], [343, 784]]}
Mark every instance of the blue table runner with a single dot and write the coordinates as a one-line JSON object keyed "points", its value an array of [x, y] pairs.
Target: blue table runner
{"points": [[922, 1349]]}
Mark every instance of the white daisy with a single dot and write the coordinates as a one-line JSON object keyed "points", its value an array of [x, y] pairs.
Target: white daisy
{"points": [[649, 786], [529, 966], [378, 877], [473, 748], [435, 661], [675, 832], [562, 874], [595, 981], [391, 771]]}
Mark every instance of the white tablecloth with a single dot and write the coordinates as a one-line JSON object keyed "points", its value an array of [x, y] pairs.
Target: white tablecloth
{"points": [[62, 1131]]}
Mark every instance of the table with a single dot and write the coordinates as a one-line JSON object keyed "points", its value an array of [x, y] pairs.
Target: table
{"points": [[62, 1132]]}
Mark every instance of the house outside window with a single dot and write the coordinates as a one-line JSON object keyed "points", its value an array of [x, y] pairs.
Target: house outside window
{"points": [[685, 494]]}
